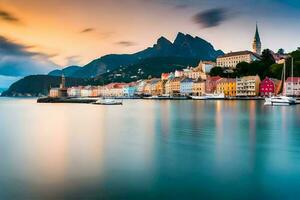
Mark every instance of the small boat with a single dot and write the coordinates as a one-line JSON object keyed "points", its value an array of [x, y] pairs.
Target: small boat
{"points": [[216, 96], [158, 97], [199, 97], [109, 102], [209, 97], [280, 101]]}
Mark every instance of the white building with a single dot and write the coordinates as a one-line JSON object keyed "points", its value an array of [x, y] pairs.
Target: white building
{"points": [[86, 91], [230, 60], [292, 86], [206, 66], [247, 86], [74, 91], [186, 86]]}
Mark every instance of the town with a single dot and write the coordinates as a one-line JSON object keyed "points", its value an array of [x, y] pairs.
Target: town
{"points": [[196, 82]]}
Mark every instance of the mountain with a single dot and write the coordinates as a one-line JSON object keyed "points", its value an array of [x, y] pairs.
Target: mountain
{"points": [[184, 46], [163, 56], [68, 71]]}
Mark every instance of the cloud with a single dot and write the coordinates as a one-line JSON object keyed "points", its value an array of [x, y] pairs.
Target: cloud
{"points": [[126, 43], [16, 59], [8, 17], [87, 30], [211, 18]]}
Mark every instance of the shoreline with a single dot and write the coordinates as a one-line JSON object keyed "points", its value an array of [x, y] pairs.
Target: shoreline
{"points": [[94, 99]]}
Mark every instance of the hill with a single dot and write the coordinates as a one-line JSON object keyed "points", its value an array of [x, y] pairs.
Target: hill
{"points": [[37, 85], [184, 46], [164, 56]]}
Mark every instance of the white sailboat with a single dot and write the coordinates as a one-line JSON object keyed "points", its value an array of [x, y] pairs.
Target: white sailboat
{"points": [[281, 100]]}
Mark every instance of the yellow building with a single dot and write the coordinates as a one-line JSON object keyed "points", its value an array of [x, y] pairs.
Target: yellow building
{"points": [[175, 86], [227, 86], [198, 88], [160, 87]]}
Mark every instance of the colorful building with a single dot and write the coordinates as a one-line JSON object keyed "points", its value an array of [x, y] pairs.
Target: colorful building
{"points": [[247, 86], [227, 86], [198, 87], [292, 86], [211, 84], [269, 87], [186, 86]]}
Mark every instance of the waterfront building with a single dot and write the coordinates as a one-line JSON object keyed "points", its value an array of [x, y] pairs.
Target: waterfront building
{"points": [[147, 88], [154, 85], [74, 91], [198, 87], [186, 86], [292, 86], [168, 87], [129, 90], [160, 87], [172, 86], [256, 45], [206, 66], [230, 60], [54, 92], [86, 91], [269, 87], [62, 91], [247, 86], [140, 87], [211, 84], [227, 86]]}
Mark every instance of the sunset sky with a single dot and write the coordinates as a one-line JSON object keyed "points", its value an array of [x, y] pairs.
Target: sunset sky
{"points": [[38, 36]]}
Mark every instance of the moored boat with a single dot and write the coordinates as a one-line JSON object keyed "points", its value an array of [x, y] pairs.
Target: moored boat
{"points": [[280, 101], [109, 102]]}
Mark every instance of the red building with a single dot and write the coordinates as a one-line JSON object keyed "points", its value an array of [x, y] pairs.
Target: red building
{"points": [[211, 84], [269, 87]]}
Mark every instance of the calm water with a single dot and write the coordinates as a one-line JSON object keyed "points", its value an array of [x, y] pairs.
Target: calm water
{"points": [[149, 150]]}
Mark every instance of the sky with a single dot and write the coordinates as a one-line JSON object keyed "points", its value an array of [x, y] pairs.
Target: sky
{"points": [[39, 36]]}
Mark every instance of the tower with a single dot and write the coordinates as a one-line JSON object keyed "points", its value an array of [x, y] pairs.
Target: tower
{"points": [[256, 45], [63, 82]]}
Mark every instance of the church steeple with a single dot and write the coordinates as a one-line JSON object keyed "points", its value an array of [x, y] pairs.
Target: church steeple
{"points": [[256, 45]]}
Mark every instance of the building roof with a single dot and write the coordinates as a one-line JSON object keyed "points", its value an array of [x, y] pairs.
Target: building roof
{"points": [[239, 53], [294, 79], [186, 80], [213, 78], [227, 80]]}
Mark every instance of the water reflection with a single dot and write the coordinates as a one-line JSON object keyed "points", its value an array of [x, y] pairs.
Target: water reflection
{"points": [[200, 149]]}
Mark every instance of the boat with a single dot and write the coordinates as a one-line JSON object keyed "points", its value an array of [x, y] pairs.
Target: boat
{"points": [[158, 97], [281, 100], [199, 97], [109, 102], [209, 97], [215, 96]]}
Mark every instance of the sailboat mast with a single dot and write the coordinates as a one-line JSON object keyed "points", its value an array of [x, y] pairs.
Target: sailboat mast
{"points": [[292, 76]]}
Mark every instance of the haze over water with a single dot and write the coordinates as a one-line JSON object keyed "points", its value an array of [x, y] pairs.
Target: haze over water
{"points": [[149, 150]]}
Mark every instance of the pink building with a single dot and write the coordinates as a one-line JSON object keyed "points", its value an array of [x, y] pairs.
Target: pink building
{"points": [[211, 84], [269, 87]]}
